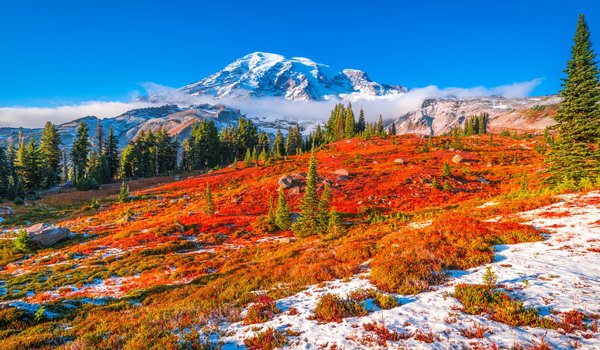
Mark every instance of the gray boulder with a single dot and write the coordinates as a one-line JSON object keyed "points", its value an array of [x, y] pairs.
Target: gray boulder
{"points": [[46, 234], [285, 181]]}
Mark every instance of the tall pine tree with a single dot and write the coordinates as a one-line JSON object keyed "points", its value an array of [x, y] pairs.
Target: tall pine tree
{"points": [[80, 152], [112, 153], [575, 155], [51, 155]]}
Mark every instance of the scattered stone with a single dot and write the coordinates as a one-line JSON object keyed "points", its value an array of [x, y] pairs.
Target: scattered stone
{"points": [[174, 201], [177, 178], [489, 165], [46, 234], [483, 181], [285, 181], [7, 211], [399, 161], [342, 172], [456, 159]]}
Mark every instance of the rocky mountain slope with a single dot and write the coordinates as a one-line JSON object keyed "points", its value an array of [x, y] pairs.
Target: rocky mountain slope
{"points": [[175, 120], [439, 116]]}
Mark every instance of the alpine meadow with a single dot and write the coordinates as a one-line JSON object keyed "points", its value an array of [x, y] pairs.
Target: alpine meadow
{"points": [[281, 203]]}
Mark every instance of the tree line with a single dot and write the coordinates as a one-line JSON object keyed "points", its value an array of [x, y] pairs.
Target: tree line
{"points": [[28, 167]]}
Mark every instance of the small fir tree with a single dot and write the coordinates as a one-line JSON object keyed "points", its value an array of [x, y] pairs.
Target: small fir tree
{"points": [[209, 205], [309, 221], [124, 193], [446, 171], [283, 216], [335, 227]]}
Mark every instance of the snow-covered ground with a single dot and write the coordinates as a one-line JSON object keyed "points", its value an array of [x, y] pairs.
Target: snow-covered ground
{"points": [[561, 273]]}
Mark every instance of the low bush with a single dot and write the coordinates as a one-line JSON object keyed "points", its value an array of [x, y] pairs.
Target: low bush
{"points": [[384, 334], [262, 310], [87, 184], [384, 300], [267, 340], [478, 299], [333, 308]]}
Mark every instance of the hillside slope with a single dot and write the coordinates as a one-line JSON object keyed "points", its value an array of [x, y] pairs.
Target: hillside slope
{"points": [[159, 270]]}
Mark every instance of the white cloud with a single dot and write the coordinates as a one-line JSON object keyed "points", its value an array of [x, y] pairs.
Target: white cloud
{"points": [[38, 116], [391, 106]]}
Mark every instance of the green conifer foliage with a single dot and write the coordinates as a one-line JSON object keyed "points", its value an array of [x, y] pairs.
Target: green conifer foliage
{"points": [[309, 221], [574, 154]]}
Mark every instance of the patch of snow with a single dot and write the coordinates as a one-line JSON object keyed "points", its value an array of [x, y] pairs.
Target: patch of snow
{"points": [[487, 204], [560, 273]]}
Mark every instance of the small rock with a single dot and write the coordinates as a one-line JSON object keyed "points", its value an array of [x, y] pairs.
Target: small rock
{"points": [[483, 181], [174, 201], [177, 178], [285, 181], [342, 172], [456, 159], [399, 161]]}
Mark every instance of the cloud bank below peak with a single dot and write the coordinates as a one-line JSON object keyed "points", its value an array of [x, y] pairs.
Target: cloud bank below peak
{"points": [[389, 106]]}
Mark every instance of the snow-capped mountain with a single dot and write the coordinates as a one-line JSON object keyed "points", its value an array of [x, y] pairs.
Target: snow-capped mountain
{"points": [[439, 116], [261, 74]]}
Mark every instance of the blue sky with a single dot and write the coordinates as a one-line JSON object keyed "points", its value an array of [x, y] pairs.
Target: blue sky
{"points": [[61, 52]]}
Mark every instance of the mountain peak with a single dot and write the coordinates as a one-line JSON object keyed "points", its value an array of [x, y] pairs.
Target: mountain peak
{"points": [[263, 74]]}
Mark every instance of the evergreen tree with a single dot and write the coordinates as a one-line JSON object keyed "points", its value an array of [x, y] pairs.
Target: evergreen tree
{"points": [[51, 155], [335, 227], [124, 193], [361, 125], [574, 155], [263, 157], [11, 154], [446, 171], [349, 124], [290, 143], [271, 214], [248, 158], [112, 153], [319, 136], [99, 138], [393, 129], [324, 207], [209, 204], [80, 152], [278, 145], [308, 223], [30, 165], [379, 129], [5, 183], [282, 215]]}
